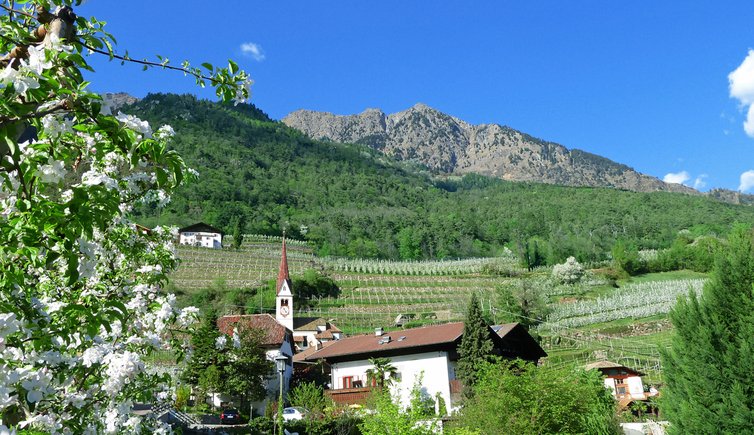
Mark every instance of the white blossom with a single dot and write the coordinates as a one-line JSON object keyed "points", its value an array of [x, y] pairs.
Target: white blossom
{"points": [[245, 87], [6, 399], [55, 125], [94, 177], [55, 43], [9, 324], [135, 124], [21, 83], [93, 355], [121, 368], [37, 62], [220, 342], [188, 316], [53, 172], [165, 132], [36, 386]]}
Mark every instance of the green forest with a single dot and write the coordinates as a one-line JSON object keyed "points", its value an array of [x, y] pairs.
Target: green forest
{"points": [[349, 200]]}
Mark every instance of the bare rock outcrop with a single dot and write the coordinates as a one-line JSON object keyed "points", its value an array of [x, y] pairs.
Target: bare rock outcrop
{"points": [[446, 144]]}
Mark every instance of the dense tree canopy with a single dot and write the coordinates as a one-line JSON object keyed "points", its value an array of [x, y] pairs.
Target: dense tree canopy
{"points": [[709, 365], [350, 200], [520, 398]]}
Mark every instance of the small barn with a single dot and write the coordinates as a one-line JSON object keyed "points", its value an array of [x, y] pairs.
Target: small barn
{"points": [[623, 382], [201, 235]]}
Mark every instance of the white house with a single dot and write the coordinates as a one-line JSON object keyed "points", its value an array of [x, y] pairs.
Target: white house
{"points": [[428, 354], [201, 235], [313, 331], [625, 383], [277, 340]]}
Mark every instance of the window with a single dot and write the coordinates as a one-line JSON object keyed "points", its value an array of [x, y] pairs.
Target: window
{"points": [[347, 381]]}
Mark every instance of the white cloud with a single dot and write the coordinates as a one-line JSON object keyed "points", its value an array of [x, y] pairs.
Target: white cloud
{"points": [[677, 178], [699, 182], [741, 83], [253, 50], [747, 181], [749, 123]]}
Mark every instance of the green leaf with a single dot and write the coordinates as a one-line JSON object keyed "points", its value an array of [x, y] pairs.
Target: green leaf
{"points": [[232, 67]]}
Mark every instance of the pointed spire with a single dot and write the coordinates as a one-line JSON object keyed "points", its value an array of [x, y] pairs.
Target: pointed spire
{"points": [[283, 273]]}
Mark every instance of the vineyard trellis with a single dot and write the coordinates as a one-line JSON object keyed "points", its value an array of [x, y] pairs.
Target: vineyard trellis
{"points": [[374, 293]]}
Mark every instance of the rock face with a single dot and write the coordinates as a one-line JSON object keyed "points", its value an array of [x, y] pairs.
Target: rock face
{"points": [[449, 145], [117, 100]]}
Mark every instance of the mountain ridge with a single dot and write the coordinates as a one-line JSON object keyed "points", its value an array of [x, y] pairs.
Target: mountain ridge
{"points": [[449, 145]]}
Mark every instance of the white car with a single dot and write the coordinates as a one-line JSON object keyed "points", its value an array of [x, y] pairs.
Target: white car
{"points": [[294, 413]]}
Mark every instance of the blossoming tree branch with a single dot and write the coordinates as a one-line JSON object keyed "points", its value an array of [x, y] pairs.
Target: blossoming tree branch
{"points": [[80, 286]]}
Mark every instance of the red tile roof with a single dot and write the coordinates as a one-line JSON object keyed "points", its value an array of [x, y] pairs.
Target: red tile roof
{"points": [[327, 335], [274, 332], [301, 356], [405, 339]]}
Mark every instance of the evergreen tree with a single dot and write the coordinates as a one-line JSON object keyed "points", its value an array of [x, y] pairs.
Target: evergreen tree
{"points": [[476, 346], [238, 231], [709, 365], [204, 351]]}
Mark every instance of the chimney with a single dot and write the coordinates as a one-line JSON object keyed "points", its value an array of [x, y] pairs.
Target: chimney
{"points": [[378, 332]]}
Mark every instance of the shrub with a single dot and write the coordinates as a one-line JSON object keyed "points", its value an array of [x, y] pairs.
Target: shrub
{"points": [[569, 272]]}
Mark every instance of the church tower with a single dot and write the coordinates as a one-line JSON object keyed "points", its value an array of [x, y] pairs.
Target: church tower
{"points": [[284, 298]]}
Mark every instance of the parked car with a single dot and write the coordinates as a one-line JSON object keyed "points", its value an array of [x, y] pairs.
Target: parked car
{"points": [[294, 413], [230, 416]]}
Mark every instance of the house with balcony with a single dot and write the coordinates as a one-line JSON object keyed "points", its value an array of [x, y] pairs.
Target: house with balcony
{"points": [[201, 235], [625, 383], [428, 354]]}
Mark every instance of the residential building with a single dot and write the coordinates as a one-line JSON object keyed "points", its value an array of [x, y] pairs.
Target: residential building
{"points": [[625, 383], [201, 235], [427, 354], [312, 331]]}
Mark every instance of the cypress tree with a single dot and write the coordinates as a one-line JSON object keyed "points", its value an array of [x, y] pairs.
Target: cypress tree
{"points": [[238, 231], [476, 346], [710, 363]]}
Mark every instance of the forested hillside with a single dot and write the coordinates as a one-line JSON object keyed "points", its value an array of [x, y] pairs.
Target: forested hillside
{"points": [[349, 200]]}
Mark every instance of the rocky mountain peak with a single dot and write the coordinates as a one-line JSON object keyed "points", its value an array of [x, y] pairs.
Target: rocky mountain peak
{"points": [[447, 144]]}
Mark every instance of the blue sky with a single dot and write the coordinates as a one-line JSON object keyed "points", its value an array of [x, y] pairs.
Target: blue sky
{"points": [[644, 83]]}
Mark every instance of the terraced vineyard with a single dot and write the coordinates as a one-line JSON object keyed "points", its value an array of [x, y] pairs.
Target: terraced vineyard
{"points": [[257, 261], [589, 321]]}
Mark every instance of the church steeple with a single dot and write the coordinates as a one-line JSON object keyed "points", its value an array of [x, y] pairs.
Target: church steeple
{"points": [[283, 272], [284, 294]]}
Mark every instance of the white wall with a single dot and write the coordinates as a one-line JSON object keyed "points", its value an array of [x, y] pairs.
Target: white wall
{"points": [[431, 366], [206, 240], [273, 382], [635, 387], [311, 340]]}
